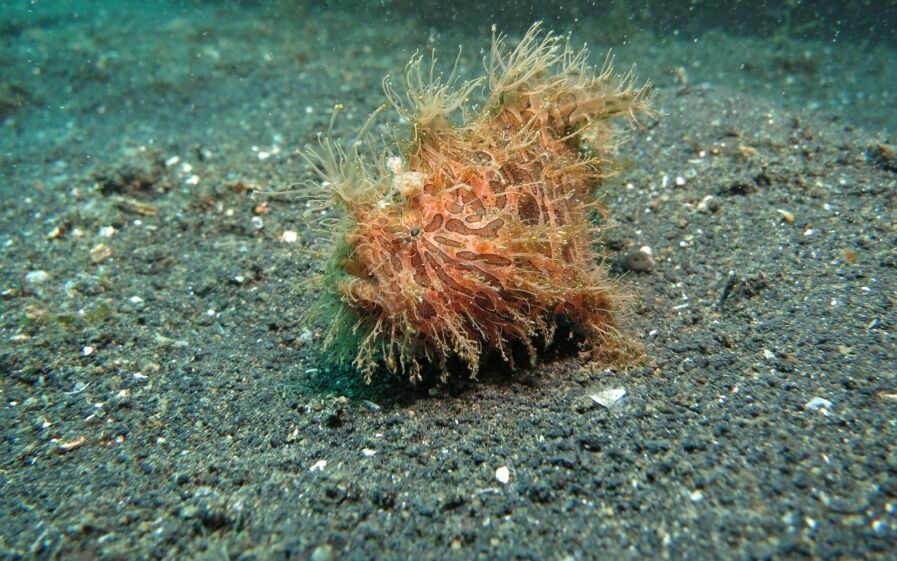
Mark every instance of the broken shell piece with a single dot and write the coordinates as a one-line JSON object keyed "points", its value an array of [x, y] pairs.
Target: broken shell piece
{"points": [[100, 253], [787, 215], [608, 398], [70, 445], [819, 404]]}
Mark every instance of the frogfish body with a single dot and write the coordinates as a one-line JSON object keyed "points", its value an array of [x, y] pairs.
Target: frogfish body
{"points": [[479, 235]]}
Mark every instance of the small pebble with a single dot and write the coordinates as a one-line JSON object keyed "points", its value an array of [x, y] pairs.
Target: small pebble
{"points": [[372, 406], [100, 253], [638, 261], [322, 553]]}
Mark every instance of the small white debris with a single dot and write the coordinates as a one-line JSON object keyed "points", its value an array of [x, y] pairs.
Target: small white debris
{"points": [[186, 167], [367, 452], [608, 398], [192, 180], [372, 406], [257, 222], [140, 376], [646, 249], [172, 161], [503, 475], [87, 350], [395, 164], [704, 205], [786, 215], [679, 181], [305, 337], [809, 232], [309, 109], [135, 300], [696, 496], [107, 231], [36, 277], [768, 355], [289, 236], [409, 183], [820, 405], [319, 466], [71, 444], [100, 253]]}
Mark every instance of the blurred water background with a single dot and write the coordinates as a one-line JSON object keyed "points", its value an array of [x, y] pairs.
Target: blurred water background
{"points": [[85, 76]]}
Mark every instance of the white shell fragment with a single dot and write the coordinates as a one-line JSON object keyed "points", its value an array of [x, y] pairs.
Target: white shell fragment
{"points": [[36, 277], [319, 466], [819, 404], [503, 475], [607, 398]]}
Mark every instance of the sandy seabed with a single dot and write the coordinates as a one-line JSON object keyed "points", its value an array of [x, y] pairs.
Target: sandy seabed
{"points": [[161, 396]]}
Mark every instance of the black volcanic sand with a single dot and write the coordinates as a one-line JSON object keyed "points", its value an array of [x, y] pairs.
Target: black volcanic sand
{"points": [[161, 396]]}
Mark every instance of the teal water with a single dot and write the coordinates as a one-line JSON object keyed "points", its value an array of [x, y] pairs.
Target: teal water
{"points": [[79, 78]]}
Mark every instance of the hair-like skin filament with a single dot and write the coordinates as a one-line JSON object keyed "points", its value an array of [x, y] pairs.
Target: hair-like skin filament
{"points": [[479, 235]]}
